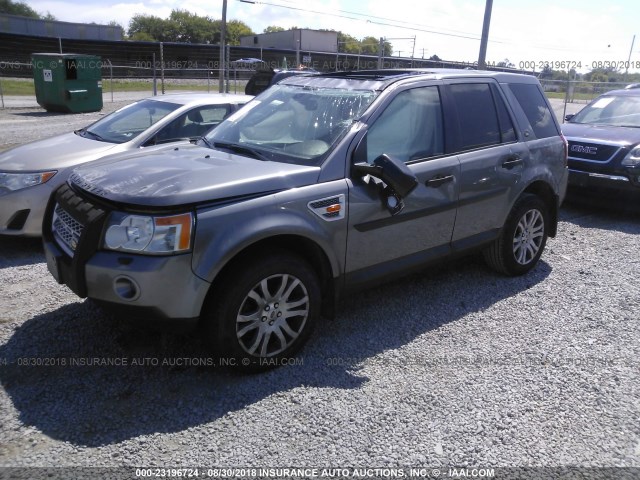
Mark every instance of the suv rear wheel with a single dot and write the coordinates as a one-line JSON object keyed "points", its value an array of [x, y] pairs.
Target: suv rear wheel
{"points": [[523, 238], [264, 312]]}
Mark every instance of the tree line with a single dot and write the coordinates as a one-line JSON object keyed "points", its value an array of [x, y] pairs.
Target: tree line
{"points": [[186, 27], [605, 75], [22, 9]]}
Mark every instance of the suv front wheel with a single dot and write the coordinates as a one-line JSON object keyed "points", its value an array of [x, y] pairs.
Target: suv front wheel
{"points": [[523, 238], [265, 311]]}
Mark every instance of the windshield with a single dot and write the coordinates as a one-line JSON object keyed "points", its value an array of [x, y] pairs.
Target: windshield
{"points": [[129, 122], [292, 124], [619, 111]]}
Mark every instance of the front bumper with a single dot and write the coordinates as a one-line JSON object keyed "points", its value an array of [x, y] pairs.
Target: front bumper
{"points": [[21, 212], [584, 179], [144, 287], [160, 289]]}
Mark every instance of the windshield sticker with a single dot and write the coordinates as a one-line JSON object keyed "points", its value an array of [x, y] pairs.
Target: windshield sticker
{"points": [[603, 102]]}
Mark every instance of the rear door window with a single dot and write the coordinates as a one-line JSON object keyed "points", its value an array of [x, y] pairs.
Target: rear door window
{"points": [[535, 108], [507, 131], [477, 116]]}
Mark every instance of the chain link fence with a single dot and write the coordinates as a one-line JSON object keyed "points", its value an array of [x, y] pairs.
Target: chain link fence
{"points": [[152, 77], [577, 92], [144, 78]]}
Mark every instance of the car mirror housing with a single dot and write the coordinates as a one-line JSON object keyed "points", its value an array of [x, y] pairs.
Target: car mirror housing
{"points": [[399, 179], [391, 171]]}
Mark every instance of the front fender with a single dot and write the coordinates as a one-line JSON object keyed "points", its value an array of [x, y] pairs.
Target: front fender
{"points": [[224, 232]]}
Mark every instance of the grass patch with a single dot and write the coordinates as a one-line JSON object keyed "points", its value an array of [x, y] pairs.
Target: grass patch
{"points": [[144, 85], [15, 86], [576, 96]]}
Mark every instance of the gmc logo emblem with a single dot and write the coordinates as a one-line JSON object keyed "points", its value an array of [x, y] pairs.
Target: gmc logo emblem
{"points": [[581, 149]]}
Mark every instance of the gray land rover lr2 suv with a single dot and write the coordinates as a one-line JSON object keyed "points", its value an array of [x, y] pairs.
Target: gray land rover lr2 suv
{"points": [[321, 185]]}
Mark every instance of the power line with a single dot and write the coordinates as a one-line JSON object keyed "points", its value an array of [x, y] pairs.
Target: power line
{"points": [[384, 21], [400, 24]]}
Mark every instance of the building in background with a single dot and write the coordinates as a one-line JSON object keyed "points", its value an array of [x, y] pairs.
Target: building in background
{"points": [[53, 28], [300, 39]]}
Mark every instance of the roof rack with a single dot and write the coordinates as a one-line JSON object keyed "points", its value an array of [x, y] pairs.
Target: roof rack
{"points": [[373, 74]]}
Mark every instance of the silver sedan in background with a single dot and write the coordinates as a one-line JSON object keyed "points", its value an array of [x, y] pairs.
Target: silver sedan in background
{"points": [[29, 173]]}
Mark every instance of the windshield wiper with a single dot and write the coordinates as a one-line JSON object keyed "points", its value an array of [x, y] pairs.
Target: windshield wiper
{"points": [[83, 131], [171, 140], [204, 140], [240, 149]]}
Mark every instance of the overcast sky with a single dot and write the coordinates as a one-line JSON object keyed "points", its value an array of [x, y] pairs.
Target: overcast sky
{"points": [[584, 31]]}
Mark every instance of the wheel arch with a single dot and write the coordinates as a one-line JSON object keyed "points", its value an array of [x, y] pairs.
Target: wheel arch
{"points": [[296, 244], [544, 191]]}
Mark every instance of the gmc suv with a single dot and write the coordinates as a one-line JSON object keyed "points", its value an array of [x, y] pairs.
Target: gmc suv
{"points": [[604, 147], [321, 185]]}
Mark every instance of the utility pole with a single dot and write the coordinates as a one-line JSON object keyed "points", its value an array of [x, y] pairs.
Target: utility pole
{"points": [[223, 34], [380, 53], [485, 35], [413, 51], [626, 70]]}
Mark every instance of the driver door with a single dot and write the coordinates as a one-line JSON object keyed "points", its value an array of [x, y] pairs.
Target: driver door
{"points": [[411, 129]]}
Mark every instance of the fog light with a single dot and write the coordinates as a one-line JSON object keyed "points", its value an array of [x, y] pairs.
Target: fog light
{"points": [[126, 288]]}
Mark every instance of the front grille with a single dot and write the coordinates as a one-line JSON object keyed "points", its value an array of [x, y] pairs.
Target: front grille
{"points": [[66, 229], [593, 152]]}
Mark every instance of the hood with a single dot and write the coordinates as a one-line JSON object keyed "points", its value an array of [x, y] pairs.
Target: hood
{"points": [[55, 153], [622, 136], [190, 174]]}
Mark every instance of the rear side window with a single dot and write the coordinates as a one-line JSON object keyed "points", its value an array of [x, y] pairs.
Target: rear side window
{"points": [[477, 116], [535, 108]]}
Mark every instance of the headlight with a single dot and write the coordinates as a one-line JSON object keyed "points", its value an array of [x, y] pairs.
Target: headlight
{"points": [[10, 182], [149, 234], [633, 158]]}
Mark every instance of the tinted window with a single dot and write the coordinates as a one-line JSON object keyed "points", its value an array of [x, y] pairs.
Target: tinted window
{"points": [[535, 108], [477, 116], [507, 132], [410, 128], [258, 83]]}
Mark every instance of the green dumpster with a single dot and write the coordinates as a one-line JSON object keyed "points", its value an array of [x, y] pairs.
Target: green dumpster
{"points": [[67, 82]]}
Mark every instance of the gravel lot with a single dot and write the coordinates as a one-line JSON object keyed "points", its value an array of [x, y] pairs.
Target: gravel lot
{"points": [[26, 123], [453, 367]]}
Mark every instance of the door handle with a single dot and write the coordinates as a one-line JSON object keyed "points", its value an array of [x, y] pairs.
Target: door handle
{"points": [[438, 180], [512, 161]]}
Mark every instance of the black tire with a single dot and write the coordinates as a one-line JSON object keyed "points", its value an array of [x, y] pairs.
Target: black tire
{"points": [[279, 298], [522, 239]]}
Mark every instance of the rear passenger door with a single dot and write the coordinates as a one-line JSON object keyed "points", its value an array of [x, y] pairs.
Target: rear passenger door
{"points": [[411, 128], [540, 132], [491, 159]]}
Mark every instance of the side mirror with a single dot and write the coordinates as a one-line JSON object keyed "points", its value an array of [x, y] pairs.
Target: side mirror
{"points": [[569, 117], [399, 179]]}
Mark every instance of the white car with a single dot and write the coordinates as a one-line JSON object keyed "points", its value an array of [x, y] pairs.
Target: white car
{"points": [[29, 173]]}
